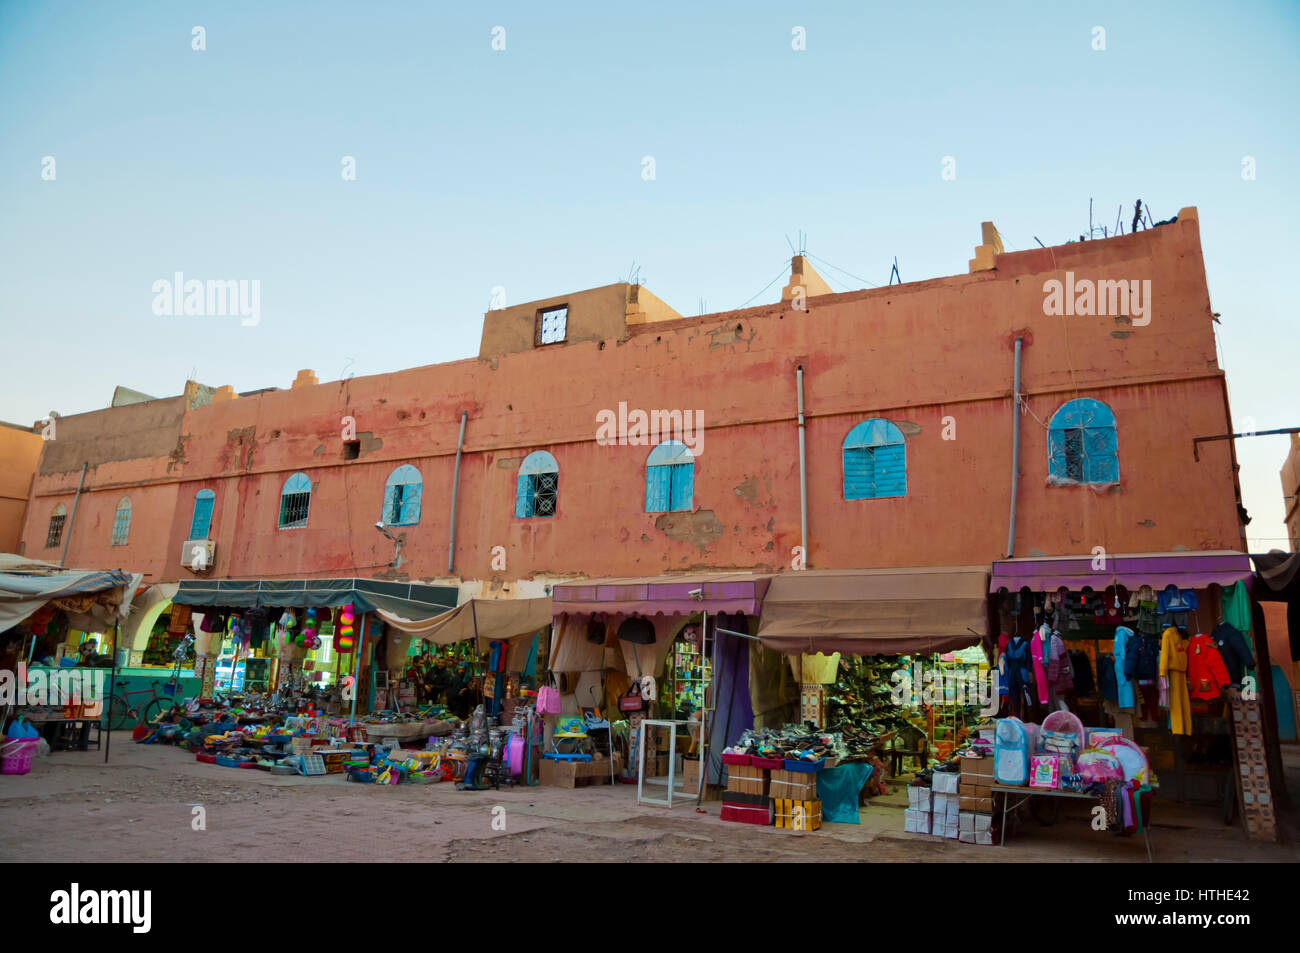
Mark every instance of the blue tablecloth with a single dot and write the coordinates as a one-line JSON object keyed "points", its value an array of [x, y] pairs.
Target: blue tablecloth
{"points": [[839, 788]]}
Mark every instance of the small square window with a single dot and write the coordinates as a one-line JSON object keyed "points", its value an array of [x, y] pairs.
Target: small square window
{"points": [[351, 449], [551, 325]]}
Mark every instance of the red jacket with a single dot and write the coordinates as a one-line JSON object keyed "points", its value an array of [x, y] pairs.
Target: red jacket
{"points": [[1206, 673]]}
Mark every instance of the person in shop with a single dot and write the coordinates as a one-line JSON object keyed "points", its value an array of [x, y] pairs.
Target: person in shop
{"points": [[459, 696]]}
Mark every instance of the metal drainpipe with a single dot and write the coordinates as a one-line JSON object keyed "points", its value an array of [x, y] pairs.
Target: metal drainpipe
{"points": [[455, 485], [67, 530], [803, 473], [1015, 451]]}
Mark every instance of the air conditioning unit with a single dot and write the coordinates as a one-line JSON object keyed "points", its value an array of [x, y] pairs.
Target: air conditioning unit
{"points": [[197, 554]]}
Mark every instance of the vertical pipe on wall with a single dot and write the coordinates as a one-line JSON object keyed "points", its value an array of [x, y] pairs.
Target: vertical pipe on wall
{"points": [[455, 485], [67, 530], [803, 474], [1015, 451]]}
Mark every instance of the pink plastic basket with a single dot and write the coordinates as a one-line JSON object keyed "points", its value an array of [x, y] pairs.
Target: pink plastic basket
{"points": [[16, 755]]}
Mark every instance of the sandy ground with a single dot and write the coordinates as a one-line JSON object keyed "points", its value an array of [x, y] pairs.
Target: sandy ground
{"points": [[141, 808]]}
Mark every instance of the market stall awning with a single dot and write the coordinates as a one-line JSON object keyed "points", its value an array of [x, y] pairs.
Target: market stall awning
{"points": [[486, 619], [27, 584], [663, 595], [408, 600], [1186, 570], [876, 611]]}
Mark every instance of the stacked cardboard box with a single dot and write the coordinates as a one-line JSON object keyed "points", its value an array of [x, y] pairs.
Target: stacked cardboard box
{"points": [[920, 804], [945, 805], [798, 815], [975, 785], [793, 785], [1254, 790], [975, 828], [747, 798]]}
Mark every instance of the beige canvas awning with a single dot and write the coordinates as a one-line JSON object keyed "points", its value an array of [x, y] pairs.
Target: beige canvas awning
{"points": [[488, 619], [876, 611]]}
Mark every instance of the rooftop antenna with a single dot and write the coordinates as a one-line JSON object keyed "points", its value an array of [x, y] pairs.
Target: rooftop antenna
{"points": [[791, 244], [894, 272], [634, 274]]}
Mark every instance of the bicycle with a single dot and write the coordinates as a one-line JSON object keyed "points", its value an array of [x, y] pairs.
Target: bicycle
{"points": [[126, 715]]}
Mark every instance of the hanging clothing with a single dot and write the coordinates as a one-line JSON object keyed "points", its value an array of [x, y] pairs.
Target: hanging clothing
{"points": [[1235, 603], [1018, 671], [1142, 658], [1173, 668], [1206, 673], [1040, 650], [1123, 686], [1061, 672], [1106, 679], [1234, 651]]}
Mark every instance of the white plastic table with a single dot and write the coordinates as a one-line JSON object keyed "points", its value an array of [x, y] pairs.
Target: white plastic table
{"points": [[642, 780], [1027, 792]]}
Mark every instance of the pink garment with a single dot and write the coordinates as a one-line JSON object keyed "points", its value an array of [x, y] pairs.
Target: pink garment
{"points": [[1059, 671], [1037, 642]]}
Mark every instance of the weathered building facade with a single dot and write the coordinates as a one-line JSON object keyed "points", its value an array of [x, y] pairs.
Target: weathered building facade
{"points": [[927, 367]]}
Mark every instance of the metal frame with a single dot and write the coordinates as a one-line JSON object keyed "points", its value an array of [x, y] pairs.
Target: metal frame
{"points": [[669, 782], [1006, 792]]}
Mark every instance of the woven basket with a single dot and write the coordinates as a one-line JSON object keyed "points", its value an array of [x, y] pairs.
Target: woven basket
{"points": [[16, 755]]}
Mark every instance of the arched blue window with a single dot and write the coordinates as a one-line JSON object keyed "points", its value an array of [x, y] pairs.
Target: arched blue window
{"points": [[875, 461], [1081, 444], [537, 486], [201, 523], [669, 478], [295, 501], [122, 522], [402, 497]]}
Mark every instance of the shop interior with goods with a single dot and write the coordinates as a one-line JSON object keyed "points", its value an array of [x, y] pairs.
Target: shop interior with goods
{"points": [[857, 731], [1127, 699], [299, 691]]}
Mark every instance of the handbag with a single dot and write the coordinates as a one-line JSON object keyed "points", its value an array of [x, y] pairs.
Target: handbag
{"points": [[548, 701], [631, 699]]}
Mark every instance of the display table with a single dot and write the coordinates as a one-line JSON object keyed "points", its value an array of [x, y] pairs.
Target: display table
{"points": [[670, 781], [1026, 793], [55, 730]]}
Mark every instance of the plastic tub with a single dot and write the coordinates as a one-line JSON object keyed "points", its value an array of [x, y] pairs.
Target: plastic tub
{"points": [[740, 759], [805, 767], [767, 764], [16, 755]]}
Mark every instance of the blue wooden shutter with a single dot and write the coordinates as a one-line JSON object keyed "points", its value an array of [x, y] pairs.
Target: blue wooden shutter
{"points": [[410, 514], [388, 516], [202, 521], [1056, 464], [1101, 465], [658, 488], [524, 496], [889, 467], [683, 485], [859, 473]]}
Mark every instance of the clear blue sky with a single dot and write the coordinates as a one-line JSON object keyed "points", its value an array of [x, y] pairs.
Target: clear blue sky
{"points": [[522, 169]]}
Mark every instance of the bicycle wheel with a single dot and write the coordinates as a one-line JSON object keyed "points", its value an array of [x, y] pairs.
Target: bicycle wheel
{"points": [[124, 716], [153, 710]]}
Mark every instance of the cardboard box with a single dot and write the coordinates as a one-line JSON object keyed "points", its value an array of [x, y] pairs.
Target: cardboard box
{"points": [[916, 822], [976, 837], [572, 774], [747, 779], [691, 773], [946, 830], [920, 799], [972, 789], [972, 768], [944, 782], [981, 804], [798, 815], [971, 821], [793, 785]]}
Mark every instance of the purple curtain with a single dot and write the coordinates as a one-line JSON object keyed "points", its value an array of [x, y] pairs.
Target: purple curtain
{"points": [[735, 712]]}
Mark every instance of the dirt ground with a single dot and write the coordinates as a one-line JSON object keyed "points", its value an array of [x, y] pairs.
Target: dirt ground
{"points": [[141, 807]]}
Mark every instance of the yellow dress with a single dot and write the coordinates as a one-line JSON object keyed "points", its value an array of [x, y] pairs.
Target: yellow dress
{"points": [[1173, 666]]}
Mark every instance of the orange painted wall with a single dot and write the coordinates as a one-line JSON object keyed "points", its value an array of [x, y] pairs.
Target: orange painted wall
{"points": [[19, 451], [915, 354]]}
